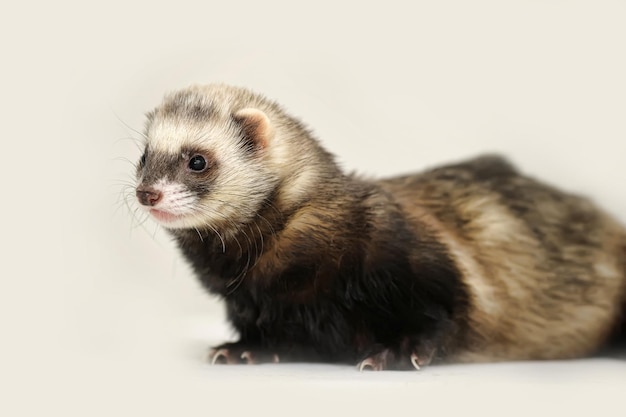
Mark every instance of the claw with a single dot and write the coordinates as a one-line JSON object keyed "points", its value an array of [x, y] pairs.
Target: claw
{"points": [[369, 364], [247, 356], [233, 354], [415, 361], [364, 365], [218, 355]]}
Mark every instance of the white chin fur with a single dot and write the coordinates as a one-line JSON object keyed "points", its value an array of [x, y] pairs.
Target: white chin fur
{"points": [[185, 222]]}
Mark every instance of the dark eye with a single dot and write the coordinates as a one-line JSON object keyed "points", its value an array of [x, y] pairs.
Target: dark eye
{"points": [[142, 161], [197, 163]]}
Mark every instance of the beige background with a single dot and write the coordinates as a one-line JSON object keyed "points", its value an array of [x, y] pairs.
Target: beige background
{"points": [[100, 317]]}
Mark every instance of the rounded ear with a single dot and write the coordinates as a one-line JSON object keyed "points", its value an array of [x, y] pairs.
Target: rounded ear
{"points": [[255, 126]]}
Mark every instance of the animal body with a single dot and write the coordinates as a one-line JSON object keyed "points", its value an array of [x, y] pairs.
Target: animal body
{"points": [[468, 262]]}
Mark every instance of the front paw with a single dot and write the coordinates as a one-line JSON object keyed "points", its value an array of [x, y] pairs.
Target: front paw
{"points": [[399, 359], [239, 353]]}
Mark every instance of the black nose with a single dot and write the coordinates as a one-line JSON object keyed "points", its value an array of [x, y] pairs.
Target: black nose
{"points": [[148, 196]]}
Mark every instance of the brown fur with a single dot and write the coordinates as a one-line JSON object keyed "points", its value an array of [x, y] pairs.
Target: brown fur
{"points": [[545, 269]]}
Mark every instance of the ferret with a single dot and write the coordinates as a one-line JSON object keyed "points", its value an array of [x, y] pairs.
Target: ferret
{"points": [[469, 262]]}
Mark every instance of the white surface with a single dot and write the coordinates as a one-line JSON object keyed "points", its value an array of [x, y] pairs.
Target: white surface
{"points": [[99, 317]]}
